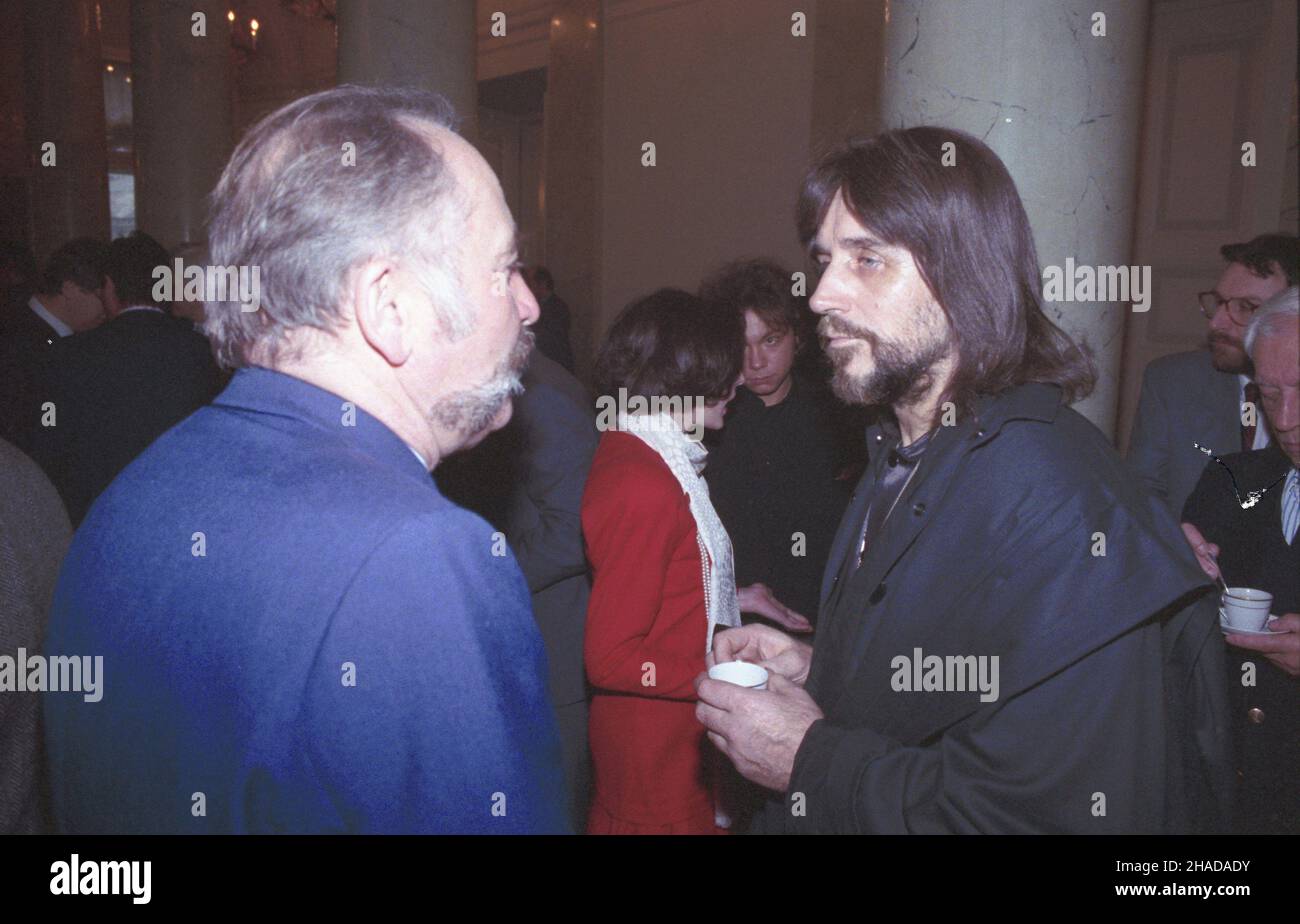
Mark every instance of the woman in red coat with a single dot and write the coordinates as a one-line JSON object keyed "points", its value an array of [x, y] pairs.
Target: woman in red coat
{"points": [[661, 564]]}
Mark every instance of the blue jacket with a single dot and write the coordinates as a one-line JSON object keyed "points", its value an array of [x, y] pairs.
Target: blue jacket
{"points": [[300, 634]]}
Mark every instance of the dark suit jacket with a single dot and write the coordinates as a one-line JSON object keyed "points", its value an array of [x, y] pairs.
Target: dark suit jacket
{"points": [[552, 331], [555, 427], [552, 438], [1184, 400], [990, 552], [1265, 718], [349, 654], [115, 390], [34, 534], [25, 344], [771, 474]]}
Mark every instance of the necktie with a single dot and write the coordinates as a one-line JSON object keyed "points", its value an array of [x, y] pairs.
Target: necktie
{"points": [[1248, 433], [1291, 506]]}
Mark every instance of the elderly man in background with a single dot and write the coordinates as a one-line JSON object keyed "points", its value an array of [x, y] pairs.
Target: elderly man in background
{"points": [[299, 632], [1259, 546]]}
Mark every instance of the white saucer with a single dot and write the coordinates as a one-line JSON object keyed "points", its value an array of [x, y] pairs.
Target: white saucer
{"points": [[1229, 630]]}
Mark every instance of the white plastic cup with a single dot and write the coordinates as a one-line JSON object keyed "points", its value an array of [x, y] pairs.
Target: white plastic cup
{"points": [[1246, 608], [741, 673]]}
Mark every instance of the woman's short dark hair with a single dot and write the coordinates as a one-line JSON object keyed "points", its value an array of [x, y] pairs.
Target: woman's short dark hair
{"points": [[763, 287], [671, 344], [967, 230]]}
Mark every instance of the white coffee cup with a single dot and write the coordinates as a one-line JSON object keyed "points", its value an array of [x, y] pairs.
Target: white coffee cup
{"points": [[1246, 607], [741, 673]]}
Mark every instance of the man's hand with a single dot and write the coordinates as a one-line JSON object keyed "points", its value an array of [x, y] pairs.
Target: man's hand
{"points": [[759, 730], [769, 648], [1282, 648], [1206, 553], [759, 599]]}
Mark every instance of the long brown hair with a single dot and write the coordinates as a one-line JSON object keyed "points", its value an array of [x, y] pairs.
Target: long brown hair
{"points": [[968, 232]]}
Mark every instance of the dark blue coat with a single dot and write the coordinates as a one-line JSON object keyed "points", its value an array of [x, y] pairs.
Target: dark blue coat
{"points": [[328, 555], [990, 553]]}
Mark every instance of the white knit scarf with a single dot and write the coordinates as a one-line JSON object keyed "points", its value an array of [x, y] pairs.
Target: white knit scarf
{"points": [[685, 458]]}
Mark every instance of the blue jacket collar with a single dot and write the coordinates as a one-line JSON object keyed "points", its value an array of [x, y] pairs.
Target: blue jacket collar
{"points": [[264, 391]]}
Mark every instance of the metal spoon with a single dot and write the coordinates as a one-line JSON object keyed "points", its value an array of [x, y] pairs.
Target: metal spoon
{"points": [[1222, 583]]}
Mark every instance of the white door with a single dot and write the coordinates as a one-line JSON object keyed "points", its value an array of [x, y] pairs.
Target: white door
{"points": [[1219, 73]]}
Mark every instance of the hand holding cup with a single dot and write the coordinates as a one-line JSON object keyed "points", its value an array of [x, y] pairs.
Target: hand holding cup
{"points": [[769, 648]]}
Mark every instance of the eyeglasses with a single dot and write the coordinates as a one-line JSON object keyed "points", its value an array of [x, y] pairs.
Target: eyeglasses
{"points": [[1239, 309]]}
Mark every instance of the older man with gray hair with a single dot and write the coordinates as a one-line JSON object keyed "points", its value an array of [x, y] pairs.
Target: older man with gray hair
{"points": [[1258, 545], [299, 632]]}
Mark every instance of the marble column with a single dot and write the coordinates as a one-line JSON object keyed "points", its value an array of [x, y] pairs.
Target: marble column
{"points": [[180, 97], [413, 43], [64, 87], [574, 167], [1061, 107]]}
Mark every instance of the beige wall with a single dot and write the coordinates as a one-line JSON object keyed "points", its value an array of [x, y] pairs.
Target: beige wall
{"points": [[735, 104], [512, 146], [723, 90], [1288, 217], [525, 45]]}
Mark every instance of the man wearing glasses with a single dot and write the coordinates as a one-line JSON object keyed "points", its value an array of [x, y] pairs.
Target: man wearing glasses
{"points": [[1200, 396]]}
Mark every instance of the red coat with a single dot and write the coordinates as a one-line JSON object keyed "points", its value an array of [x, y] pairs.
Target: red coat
{"points": [[645, 622]]}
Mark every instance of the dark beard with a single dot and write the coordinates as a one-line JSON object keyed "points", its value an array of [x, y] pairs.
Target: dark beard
{"points": [[1239, 365], [898, 378]]}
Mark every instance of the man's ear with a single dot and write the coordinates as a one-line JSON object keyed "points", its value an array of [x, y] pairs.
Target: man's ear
{"points": [[383, 311]]}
